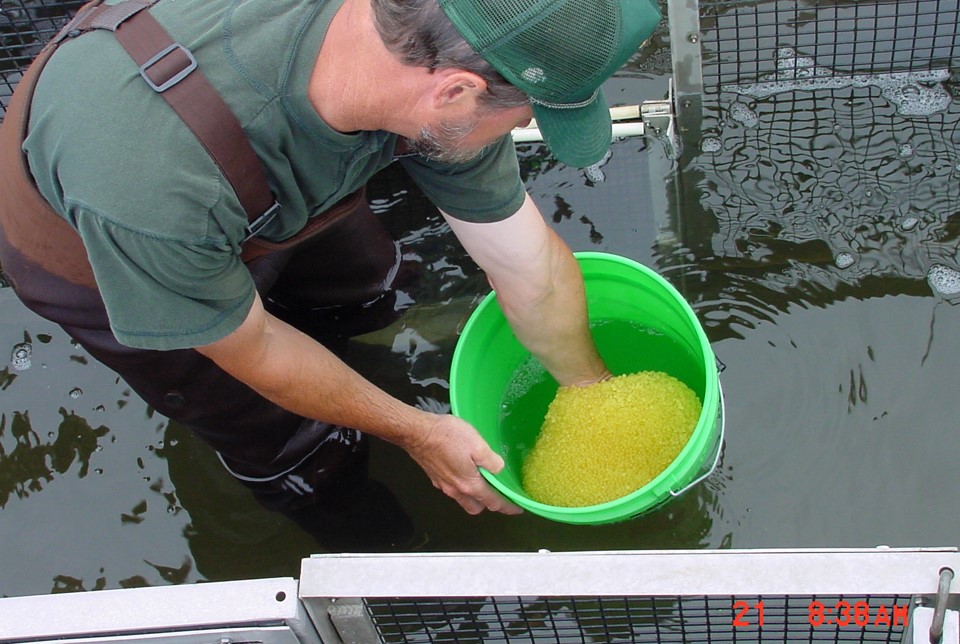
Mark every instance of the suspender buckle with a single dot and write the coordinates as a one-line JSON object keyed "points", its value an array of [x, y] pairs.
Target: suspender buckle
{"points": [[174, 75], [254, 227]]}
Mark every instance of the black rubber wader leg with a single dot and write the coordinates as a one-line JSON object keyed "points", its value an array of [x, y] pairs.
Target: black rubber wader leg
{"points": [[342, 282], [311, 471]]}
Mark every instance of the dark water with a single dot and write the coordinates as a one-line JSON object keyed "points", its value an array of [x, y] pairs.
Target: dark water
{"points": [[816, 245]]}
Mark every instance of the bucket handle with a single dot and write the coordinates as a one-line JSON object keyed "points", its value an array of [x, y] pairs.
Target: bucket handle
{"points": [[716, 460]]}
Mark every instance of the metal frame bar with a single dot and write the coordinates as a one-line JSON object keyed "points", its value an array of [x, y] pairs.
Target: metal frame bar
{"points": [[636, 573], [683, 18], [247, 604]]}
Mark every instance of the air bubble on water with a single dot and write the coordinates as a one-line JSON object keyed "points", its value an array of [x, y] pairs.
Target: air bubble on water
{"points": [[944, 280], [844, 260], [98, 471], [919, 93], [76, 392], [909, 223], [711, 144], [905, 150], [22, 356], [527, 375], [910, 92], [742, 113], [594, 174]]}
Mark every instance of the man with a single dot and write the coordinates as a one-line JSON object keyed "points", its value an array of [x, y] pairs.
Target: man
{"points": [[326, 92]]}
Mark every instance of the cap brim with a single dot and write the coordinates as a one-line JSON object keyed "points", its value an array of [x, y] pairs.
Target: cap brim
{"points": [[580, 136]]}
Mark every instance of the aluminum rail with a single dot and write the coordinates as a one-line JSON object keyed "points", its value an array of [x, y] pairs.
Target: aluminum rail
{"points": [[641, 573], [267, 609]]}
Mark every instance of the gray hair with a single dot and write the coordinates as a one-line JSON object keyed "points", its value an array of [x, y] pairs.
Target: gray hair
{"points": [[419, 32]]}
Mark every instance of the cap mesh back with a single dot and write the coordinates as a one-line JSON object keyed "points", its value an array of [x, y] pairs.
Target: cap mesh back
{"points": [[571, 41]]}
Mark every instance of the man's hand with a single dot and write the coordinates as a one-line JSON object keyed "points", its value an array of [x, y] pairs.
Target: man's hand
{"points": [[299, 374], [450, 454]]}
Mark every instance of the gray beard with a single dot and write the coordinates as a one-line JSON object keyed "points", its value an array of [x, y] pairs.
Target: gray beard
{"points": [[442, 144]]}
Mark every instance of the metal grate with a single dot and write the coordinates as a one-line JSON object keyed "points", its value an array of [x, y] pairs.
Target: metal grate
{"points": [[642, 619], [24, 26], [747, 39], [779, 197], [694, 596]]}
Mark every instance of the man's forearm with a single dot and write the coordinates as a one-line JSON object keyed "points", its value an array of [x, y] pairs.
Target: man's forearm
{"points": [[540, 289], [550, 320], [292, 370]]}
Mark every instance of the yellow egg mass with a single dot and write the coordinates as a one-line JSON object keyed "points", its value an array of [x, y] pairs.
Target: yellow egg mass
{"points": [[606, 440]]}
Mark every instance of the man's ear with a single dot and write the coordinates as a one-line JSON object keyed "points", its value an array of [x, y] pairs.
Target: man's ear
{"points": [[456, 87]]}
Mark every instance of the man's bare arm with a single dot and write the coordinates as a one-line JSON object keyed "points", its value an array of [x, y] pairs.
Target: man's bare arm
{"points": [[299, 374], [540, 289]]}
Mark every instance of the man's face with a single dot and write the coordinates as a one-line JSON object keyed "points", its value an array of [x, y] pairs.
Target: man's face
{"points": [[464, 139]]}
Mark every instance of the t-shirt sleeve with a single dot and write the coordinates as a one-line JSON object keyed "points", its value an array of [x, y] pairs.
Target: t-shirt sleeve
{"points": [[486, 189], [165, 294]]}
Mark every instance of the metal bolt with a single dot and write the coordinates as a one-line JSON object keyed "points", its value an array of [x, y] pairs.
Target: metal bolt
{"points": [[694, 38]]}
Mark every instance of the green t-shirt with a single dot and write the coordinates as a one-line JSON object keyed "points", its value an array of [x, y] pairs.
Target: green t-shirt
{"points": [[161, 225]]}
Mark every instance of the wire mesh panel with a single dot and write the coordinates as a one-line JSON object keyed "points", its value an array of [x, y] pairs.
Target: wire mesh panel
{"points": [[826, 134], [24, 26], [837, 188], [637, 596], [835, 618], [746, 39]]}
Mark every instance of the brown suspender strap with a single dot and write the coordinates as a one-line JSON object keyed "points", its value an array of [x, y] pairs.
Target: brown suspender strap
{"points": [[171, 71], [41, 235]]}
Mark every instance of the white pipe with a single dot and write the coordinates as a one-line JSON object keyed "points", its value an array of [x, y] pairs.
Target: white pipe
{"points": [[530, 132], [620, 130]]}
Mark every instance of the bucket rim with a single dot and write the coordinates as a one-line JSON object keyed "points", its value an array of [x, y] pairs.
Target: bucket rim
{"points": [[705, 423]]}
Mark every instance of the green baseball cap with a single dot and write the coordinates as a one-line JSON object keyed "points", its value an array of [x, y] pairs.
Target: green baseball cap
{"points": [[559, 52]]}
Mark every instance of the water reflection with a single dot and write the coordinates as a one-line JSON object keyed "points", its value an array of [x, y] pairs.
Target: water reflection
{"points": [[33, 461], [814, 201], [229, 535]]}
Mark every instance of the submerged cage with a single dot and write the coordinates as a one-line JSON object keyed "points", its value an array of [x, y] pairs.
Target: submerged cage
{"points": [[763, 86], [746, 39], [721, 42]]}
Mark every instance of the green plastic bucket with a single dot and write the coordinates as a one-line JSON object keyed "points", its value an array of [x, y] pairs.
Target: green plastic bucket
{"points": [[639, 322]]}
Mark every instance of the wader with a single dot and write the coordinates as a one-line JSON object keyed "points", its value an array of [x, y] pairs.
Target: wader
{"points": [[310, 470]]}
